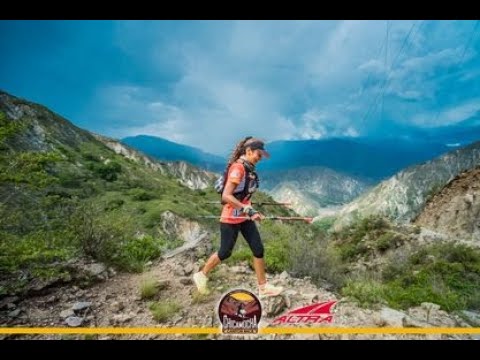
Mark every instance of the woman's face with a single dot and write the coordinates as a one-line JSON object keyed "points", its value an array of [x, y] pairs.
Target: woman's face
{"points": [[254, 156]]}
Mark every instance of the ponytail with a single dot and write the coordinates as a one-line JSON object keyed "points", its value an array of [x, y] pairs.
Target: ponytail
{"points": [[237, 152]]}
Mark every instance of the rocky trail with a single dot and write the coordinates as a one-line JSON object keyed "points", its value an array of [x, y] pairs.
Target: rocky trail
{"points": [[124, 300]]}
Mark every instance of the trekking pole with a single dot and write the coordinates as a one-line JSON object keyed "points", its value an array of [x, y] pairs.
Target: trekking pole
{"points": [[254, 203], [308, 220]]}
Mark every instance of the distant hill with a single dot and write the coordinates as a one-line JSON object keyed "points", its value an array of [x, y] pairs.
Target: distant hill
{"points": [[312, 188], [360, 158], [170, 151]]}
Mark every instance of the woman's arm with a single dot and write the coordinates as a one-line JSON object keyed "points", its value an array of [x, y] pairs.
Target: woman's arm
{"points": [[227, 195]]}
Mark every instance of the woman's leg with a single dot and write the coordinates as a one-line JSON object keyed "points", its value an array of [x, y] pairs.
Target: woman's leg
{"points": [[228, 238], [229, 234], [252, 236]]}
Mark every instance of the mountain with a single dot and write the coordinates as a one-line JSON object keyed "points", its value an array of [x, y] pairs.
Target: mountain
{"points": [[169, 151], [455, 210], [79, 212], [312, 189], [313, 175], [70, 197], [361, 158], [403, 196]]}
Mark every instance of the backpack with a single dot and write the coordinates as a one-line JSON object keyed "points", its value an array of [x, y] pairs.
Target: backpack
{"points": [[251, 182]]}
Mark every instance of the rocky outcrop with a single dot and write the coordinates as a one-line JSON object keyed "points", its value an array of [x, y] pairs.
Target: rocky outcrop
{"points": [[402, 197], [455, 210], [312, 190], [188, 175], [43, 130]]}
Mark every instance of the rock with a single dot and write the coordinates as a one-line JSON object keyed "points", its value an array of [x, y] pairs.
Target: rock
{"points": [[96, 269], [310, 297], [274, 306], [291, 292], [81, 305], [188, 269], [468, 198], [11, 306], [430, 306], [408, 321], [239, 269], [284, 276], [430, 313], [179, 271], [8, 300], [288, 302], [392, 318], [163, 284], [186, 281], [42, 286], [472, 317], [177, 319], [66, 313], [122, 318], [14, 313], [74, 321], [305, 337], [51, 299], [117, 306]]}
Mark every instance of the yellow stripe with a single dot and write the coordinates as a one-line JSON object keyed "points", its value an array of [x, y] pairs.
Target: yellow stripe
{"points": [[182, 330]]}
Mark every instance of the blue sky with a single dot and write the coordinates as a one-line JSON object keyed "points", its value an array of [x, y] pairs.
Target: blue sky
{"points": [[209, 83]]}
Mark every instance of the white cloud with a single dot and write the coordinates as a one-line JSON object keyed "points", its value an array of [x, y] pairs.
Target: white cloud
{"points": [[287, 79], [449, 116]]}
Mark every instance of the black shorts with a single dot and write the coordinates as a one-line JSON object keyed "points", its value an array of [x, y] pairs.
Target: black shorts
{"points": [[229, 235]]}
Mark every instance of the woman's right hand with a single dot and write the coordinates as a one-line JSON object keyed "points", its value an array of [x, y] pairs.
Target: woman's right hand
{"points": [[252, 213]]}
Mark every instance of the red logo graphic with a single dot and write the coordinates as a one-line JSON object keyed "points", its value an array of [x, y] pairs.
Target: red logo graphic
{"points": [[311, 314]]}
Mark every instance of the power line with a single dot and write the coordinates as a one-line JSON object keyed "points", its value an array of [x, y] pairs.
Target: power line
{"points": [[386, 62], [389, 73], [370, 74], [462, 59]]}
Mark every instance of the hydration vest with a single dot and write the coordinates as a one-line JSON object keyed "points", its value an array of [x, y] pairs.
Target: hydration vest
{"points": [[246, 188]]}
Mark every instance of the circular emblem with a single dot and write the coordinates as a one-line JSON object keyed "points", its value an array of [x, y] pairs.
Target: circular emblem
{"points": [[239, 312]]}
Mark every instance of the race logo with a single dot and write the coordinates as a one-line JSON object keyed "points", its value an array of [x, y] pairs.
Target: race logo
{"points": [[311, 314], [239, 312]]}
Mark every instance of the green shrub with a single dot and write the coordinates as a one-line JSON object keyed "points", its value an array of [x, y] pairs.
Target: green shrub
{"points": [[133, 253], [108, 172], [445, 274], [148, 288], [385, 241], [141, 195], [163, 311], [366, 292], [114, 204]]}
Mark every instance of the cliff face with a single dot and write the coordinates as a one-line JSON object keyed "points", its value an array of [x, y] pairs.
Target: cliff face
{"points": [[403, 196], [455, 210], [312, 189]]}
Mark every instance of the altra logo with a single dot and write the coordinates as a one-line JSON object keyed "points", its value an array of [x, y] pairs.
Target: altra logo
{"points": [[311, 314]]}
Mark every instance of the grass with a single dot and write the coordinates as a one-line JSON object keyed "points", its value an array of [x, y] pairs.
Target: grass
{"points": [[149, 289], [164, 310], [198, 298]]}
